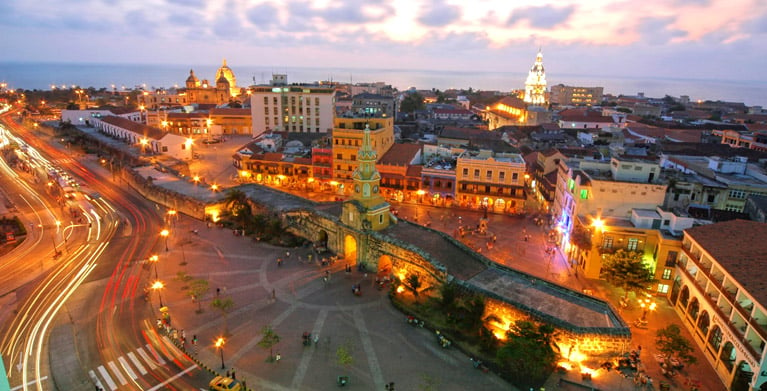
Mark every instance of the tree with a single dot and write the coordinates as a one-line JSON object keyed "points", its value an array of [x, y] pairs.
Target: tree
{"points": [[529, 355], [237, 203], [343, 356], [411, 103], [448, 296], [672, 343], [414, 284], [268, 339], [626, 269], [224, 305], [197, 289]]}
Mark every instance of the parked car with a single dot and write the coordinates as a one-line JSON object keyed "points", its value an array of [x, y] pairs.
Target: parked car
{"points": [[222, 383]]}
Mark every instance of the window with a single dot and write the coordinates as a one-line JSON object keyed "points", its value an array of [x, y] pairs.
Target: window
{"points": [[666, 223], [339, 156], [584, 194], [465, 171], [274, 100], [666, 274], [737, 194], [632, 244], [266, 100], [316, 101], [266, 111], [607, 242], [266, 121], [671, 258], [571, 185], [354, 157], [514, 176], [476, 173], [711, 197], [662, 288], [502, 176], [489, 175]]}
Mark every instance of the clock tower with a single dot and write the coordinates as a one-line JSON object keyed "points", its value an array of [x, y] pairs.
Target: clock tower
{"points": [[367, 203]]}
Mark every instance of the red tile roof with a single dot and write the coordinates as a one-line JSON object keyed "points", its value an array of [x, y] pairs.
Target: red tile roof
{"points": [[230, 111], [584, 115], [134, 127], [400, 154], [738, 245]]}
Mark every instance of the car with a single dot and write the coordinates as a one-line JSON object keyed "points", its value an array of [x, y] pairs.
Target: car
{"points": [[223, 383]]}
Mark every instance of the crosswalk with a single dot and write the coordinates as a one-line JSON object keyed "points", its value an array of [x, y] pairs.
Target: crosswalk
{"points": [[129, 367]]}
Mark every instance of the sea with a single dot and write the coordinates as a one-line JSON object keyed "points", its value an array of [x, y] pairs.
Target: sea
{"points": [[42, 76]]}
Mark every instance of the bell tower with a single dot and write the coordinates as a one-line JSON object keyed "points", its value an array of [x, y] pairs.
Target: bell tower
{"points": [[535, 85], [367, 201]]}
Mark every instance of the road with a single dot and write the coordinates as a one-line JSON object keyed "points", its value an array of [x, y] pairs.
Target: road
{"points": [[92, 303]]}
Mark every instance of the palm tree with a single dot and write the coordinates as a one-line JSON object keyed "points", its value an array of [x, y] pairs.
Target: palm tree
{"points": [[237, 203], [414, 284], [268, 340]]}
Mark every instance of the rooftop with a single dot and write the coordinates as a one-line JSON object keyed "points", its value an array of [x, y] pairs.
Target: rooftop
{"points": [[738, 245]]}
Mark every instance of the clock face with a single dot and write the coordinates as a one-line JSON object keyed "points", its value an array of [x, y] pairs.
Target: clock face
{"points": [[375, 189]]}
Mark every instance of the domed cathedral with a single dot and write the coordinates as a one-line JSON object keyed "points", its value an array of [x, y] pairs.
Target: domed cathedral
{"points": [[367, 209], [222, 92], [225, 75], [535, 85]]}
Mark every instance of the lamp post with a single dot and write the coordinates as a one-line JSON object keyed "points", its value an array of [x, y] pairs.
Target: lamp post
{"points": [[164, 233], [220, 346], [646, 305], [56, 250], [154, 259], [171, 216], [158, 285]]}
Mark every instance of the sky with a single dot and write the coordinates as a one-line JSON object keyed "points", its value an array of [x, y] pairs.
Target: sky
{"points": [[696, 39]]}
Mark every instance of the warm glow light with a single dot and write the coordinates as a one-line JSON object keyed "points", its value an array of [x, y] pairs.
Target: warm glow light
{"points": [[220, 342], [154, 258], [164, 233], [598, 224], [158, 285], [420, 192], [566, 365], [214, 187], [333, 183], [144, 141], [577, 357], [588, 371], [196, 178], [189, 142], [400, 289], [310, 180]]}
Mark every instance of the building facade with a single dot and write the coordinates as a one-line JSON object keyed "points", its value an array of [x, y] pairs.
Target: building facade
{"points": [[576, 96], [490, 180], [303, 108], [347, 137], [719, 294]]}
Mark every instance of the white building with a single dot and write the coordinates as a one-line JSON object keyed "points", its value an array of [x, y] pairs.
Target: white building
{"points": [[87, 117], [302, 108], [719, 292], [535, 85], [150, 140]]}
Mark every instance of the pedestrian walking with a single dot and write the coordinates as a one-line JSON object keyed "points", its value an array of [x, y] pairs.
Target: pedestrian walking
{"points": [[279, 262], [277, 357], [287, 254]]}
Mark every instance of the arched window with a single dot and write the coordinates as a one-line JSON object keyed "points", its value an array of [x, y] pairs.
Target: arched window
{"points": [[715, 338], [703, 323], [694, 308], [728, 356], [684, 298]]}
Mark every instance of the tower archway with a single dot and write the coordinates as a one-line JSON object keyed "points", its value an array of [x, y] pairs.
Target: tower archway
{"points": [[350, 249], [385, 265]]}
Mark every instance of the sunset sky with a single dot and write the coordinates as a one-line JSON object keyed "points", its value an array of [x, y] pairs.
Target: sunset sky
{"points": [[706, 39]]}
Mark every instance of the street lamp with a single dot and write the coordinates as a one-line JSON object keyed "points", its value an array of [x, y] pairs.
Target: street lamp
{"points": [[154, 259], [164, 233], [646, 305], [220, 346], [144, 142], [214, 187], [157, 285], [55, 250], [171, 216]]}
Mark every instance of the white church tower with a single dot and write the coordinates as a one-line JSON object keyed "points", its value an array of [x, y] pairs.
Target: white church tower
{"points": [[535, 85]]}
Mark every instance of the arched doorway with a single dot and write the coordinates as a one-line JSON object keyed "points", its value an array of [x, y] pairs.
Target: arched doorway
{"points": [[742, 378], [715, 338], [684, 298], [703, 323], [322, 239], [694, 308], [675, 288], [350, 249], [500, 205], [728, 355], [384, 266]]}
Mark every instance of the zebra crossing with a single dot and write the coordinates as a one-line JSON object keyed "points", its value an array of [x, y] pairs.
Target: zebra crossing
{"points": [[129, 367]]}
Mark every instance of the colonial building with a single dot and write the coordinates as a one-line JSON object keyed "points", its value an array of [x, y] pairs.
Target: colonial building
{"points": [[373, 105], [223, 90], [489, 180], [347, 139], [720, 294], [87, 117], [535, 85], [149, 140], [304, 108]]}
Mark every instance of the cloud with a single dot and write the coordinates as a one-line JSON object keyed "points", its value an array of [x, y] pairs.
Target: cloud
{"points": [[226, 24], [658, 31], [439, 14], [187, 3], [543, 17], [263, 16]]}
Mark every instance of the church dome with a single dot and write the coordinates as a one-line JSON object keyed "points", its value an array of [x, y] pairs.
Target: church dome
{"points": [[227, 74], [192, 78]]}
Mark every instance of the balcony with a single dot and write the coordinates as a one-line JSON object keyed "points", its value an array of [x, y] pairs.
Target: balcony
{"points": [[735, 331]]}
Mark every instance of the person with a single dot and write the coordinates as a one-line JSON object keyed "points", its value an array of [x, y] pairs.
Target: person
{"points": [[279, 262], [277, 357]]}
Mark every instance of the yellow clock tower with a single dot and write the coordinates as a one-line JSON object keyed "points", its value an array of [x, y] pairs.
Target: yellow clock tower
{"points": [[367, 208]]}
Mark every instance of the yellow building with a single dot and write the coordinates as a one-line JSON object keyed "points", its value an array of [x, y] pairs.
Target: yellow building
{"points": [[222, 91], [490, 180], [230, 121], [347, 140]]}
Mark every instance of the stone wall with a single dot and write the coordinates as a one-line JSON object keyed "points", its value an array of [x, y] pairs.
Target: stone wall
{"points": [[170, 199]]}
